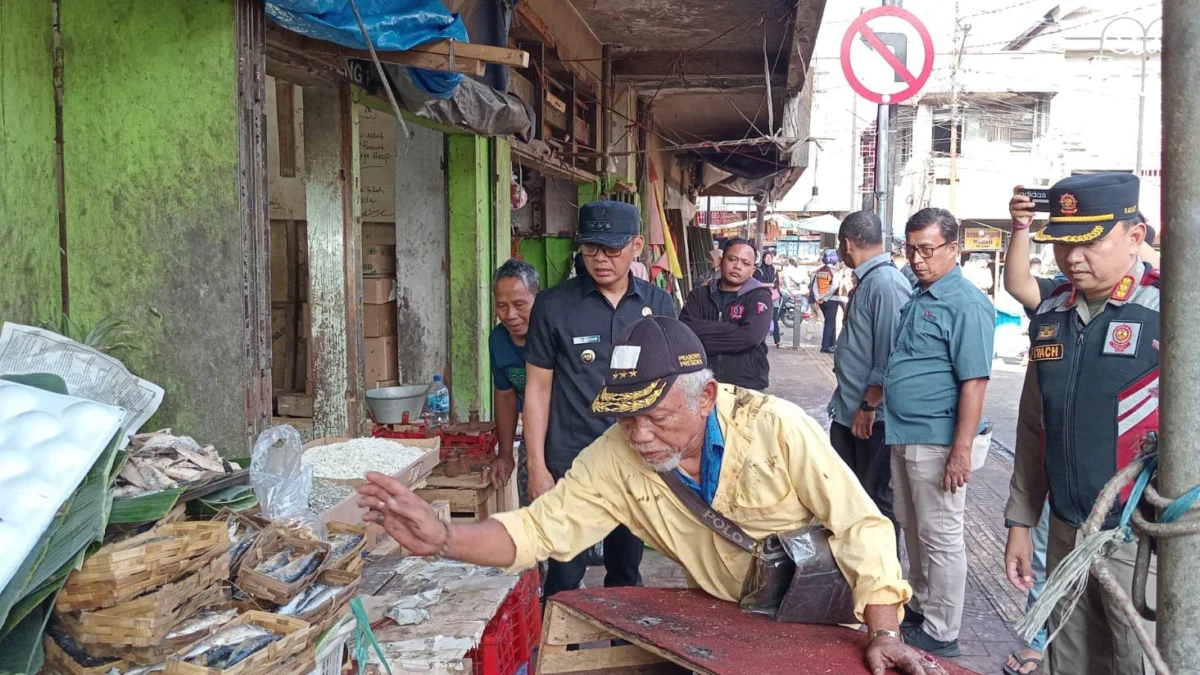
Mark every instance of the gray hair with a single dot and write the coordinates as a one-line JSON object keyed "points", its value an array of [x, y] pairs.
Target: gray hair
{"points": [[691, 385], [518, 269]]}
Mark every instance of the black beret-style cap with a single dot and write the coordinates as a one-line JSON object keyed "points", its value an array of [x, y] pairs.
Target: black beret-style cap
{"points": [[1085, 208], [611, 224]]}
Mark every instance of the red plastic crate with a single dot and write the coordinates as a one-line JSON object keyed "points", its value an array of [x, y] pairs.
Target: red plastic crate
{"points": [[479, 445], [511, 635]]}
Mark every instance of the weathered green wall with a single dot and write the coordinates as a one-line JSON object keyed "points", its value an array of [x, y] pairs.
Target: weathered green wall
{"points": [[30, 287], [153, 222]]}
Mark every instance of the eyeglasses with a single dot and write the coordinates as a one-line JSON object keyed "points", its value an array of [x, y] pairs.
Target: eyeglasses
{"points": [[593, 250], [925, 251]]}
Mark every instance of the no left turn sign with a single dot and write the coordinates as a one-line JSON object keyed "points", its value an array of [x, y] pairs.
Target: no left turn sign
{"points": [[887, 55]]}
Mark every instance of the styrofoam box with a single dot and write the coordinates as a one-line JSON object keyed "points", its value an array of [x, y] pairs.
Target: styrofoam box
{"points": [[48, 443]]}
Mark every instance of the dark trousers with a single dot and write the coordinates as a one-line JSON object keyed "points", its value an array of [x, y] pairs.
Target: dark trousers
{"points": [[829, 310], [775, 323], [622, 561], [870, 459]]}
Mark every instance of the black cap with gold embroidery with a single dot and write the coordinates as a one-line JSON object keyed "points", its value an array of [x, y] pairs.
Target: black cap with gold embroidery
{"points": [[1085, 208], [646, 359]]}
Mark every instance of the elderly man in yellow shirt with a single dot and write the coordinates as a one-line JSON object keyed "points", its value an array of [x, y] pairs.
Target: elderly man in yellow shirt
{"points": [[759, 460]]}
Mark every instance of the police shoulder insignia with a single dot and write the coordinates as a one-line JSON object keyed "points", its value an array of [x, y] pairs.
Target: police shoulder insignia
{"points": [[1122, 338], [1051, 352], [1047, 331], [1124, 289]]}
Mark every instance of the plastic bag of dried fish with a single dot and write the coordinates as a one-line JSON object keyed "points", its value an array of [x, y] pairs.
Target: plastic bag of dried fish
{"points": [[282, 482]]}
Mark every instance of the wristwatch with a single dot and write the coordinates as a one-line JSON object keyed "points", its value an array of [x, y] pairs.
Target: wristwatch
{"points": [[866, 407]]}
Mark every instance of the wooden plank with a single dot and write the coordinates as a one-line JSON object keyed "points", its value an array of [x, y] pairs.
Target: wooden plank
{"points": [[594, 660], [427, 61], [285, 115], [461, 501], [468, 481], [335, 264], [487, 53], [561, 628]]}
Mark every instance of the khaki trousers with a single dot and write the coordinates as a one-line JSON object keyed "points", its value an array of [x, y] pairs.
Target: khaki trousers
{"points": [[932, 520], [1096, 638]]}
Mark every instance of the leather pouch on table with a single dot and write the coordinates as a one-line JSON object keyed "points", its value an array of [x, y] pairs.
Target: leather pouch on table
{"points": [[793, 576]]}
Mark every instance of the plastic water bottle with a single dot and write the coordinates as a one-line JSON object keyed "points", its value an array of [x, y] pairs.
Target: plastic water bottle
{"points": [[437, 404]]}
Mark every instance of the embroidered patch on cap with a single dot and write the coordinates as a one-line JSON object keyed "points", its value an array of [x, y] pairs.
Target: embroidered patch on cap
{"points": [[1122, 338], [690, 360], [625, 357]]}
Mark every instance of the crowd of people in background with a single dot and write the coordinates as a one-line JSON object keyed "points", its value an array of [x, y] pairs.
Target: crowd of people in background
{"points": [[912, 363]]}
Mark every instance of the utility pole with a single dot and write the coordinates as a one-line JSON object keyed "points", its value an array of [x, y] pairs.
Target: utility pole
{"points": [[1142, 92], [958, 37], [1179, 447]]}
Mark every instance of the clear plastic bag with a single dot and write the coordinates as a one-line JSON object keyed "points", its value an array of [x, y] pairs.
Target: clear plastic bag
{"points": [[282, 482], [796, 579]]}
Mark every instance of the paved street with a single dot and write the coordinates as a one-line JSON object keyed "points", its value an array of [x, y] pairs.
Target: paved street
{"points": [[805, 376]]}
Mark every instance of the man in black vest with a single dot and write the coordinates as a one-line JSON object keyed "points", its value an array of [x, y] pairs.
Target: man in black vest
{"points": [[1090, 398]]}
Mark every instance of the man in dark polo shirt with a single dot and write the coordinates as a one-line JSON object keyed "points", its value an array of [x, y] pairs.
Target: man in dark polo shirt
{"points": [[567, 356]]}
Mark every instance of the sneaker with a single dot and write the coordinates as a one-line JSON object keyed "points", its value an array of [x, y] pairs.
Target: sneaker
{"points": [[917, 637], [912, 618]]}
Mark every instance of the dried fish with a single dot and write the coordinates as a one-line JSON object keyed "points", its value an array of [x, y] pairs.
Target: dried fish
{"points": [[155, 478], [202, 621], [228, 636], [200, 459], [160, 461], [146, 670], [130, 473], [341, 544], [297, 569], [293, 607], [275, 562], [320, 599], [241, 651], [183, 474], [76, 651]]}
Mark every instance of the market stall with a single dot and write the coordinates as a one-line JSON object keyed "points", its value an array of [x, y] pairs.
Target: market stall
{"points": [[153, 552]]}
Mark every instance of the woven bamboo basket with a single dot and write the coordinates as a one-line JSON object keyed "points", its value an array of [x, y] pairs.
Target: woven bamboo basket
{"points": [[124, 570], [146, 620], [266, 660], [263, 587], [58, 662], [349, 566], [244, 519], [323, 618], [303, 664]]}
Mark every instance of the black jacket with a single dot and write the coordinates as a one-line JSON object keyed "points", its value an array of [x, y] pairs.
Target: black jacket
{"points": [[734, 339], [1099, 389]]}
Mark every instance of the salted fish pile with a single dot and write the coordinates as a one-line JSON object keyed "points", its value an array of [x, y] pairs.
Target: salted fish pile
{"points": [[354, 458], [161, 461], [230, 646]]}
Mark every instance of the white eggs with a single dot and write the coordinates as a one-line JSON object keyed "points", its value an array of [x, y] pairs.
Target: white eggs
{"points": [[13, 463], [32, 427], [86, 422], [59, 455], [15, 400]]}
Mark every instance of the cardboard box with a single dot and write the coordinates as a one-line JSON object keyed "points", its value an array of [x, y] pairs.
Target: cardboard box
{"points": [[380, 359], [379, 261], [295, 405], [379, 291], [379, 320], [378, 234]]}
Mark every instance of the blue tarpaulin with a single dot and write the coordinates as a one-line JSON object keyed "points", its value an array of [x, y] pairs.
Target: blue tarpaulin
{"points": [[394, 25]]}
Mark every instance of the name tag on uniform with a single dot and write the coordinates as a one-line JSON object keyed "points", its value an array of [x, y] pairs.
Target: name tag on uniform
{"points": [[1052, 352], [586, 339], [1122, 338]]}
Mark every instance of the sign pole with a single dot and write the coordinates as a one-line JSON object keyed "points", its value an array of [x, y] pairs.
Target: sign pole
{"points": [[883, 189]]}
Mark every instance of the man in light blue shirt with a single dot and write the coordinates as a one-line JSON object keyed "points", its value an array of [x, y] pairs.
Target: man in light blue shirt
{"points": [[936, 380], [868, 338]]}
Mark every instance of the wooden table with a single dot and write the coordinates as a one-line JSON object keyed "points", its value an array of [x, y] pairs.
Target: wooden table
{"points": [[676, 629]]}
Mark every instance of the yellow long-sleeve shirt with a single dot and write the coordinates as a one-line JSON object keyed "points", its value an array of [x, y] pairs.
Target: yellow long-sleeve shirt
{"points": [[779, 473]]}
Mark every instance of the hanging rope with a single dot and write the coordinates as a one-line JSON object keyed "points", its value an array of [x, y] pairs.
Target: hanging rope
{"points": [[1066, 585]]}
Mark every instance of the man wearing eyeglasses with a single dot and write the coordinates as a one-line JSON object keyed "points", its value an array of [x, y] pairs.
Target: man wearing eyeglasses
{"points": [[572, 328], [935, 383]]}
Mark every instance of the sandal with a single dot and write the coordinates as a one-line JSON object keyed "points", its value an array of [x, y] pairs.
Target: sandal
{"points": [[1021, 663]]}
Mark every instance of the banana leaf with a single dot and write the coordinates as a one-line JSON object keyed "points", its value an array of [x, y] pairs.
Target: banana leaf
{"points": [[144, 508], [234, 498], [22, 652]]}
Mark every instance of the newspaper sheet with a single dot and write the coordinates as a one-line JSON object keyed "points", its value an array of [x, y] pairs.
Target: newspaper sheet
{"points": [[88, 373]]}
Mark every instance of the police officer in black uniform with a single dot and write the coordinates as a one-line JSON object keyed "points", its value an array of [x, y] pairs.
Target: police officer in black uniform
{"points": [[1090, 398], [571, 329]]}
